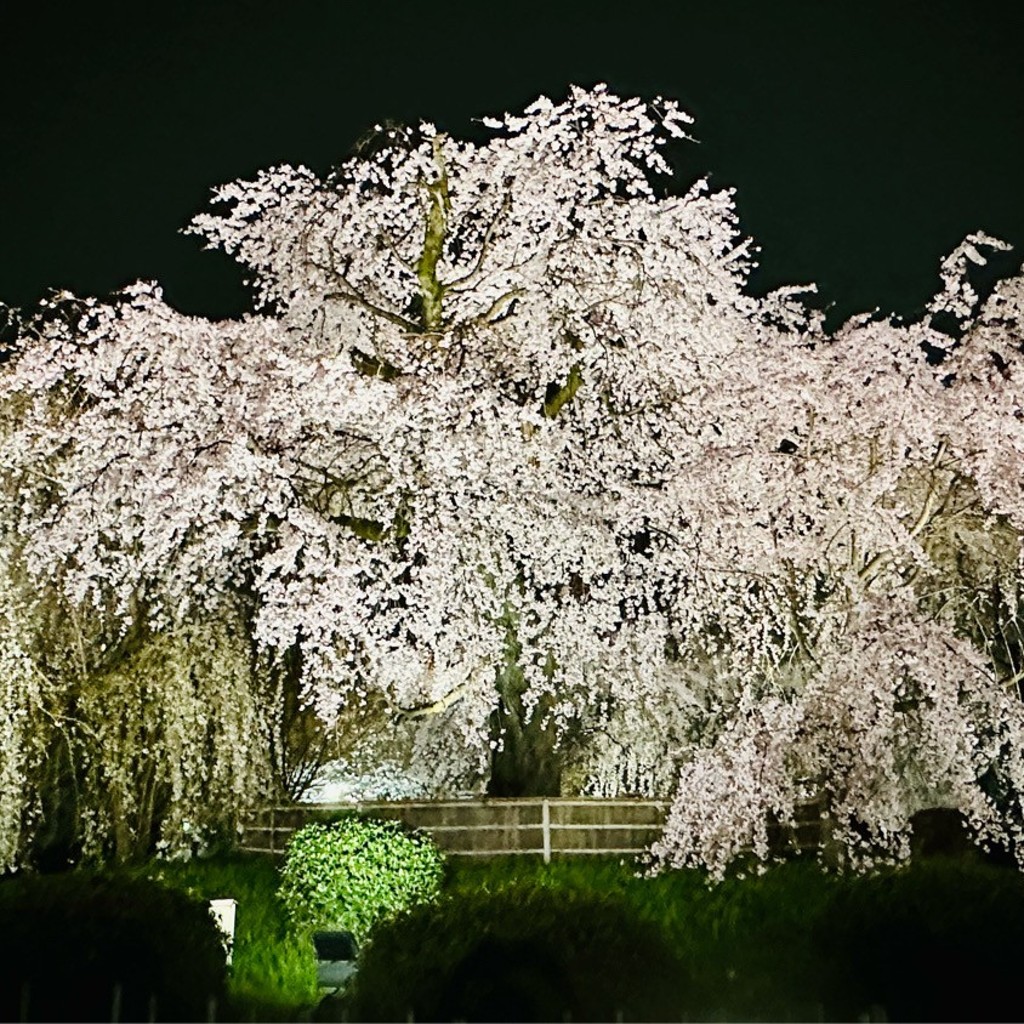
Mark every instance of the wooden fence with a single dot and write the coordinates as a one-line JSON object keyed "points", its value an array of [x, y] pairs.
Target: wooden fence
{"points": [[485, 828], [555, 826]]}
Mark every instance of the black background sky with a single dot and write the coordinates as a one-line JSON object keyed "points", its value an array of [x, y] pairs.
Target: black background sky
{"points": [[864, 138]]}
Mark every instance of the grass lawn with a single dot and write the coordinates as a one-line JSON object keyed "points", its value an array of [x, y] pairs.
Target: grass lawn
{"points": [[938, 939]]}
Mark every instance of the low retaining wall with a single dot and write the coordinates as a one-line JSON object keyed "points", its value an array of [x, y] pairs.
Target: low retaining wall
{"points": [[487, 828], [556, 826]]}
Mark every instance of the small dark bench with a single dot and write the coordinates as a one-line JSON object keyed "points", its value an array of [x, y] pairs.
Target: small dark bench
{"points": [[335, 958]]}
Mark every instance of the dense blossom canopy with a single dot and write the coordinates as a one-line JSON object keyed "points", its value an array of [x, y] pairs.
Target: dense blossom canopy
{"points": [[509, 406]]}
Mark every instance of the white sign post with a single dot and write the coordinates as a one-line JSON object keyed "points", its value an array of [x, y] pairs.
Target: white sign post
{"points": [[223, 912]]}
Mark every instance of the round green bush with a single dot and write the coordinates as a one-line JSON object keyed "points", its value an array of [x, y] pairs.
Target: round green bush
{"points": [[356, 872], [523, 954]]}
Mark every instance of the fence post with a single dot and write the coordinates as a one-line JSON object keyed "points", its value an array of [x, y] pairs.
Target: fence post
{"points": [[273, 834], [545, 818]]}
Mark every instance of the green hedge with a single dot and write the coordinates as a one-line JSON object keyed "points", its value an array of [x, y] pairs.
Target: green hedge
{"points": [[937, 941], [67, 940], [521, 954]]}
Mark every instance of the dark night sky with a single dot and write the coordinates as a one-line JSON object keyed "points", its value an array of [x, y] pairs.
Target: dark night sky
{"points": [[865, 138]]}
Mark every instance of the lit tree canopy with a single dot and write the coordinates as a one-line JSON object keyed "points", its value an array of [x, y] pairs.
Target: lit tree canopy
{"points": [[509, 434]]}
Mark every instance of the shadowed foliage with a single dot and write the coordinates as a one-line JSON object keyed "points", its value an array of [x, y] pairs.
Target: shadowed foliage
{"points": [[84, 947], [526, 953]]}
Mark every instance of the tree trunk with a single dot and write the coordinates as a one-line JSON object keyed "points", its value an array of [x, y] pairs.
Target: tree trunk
{"points": [[525, 761]]}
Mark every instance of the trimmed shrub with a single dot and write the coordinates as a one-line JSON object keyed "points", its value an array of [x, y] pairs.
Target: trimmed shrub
{"points": [[71, 945], [939, 940], [355, 873], [525, 954]]}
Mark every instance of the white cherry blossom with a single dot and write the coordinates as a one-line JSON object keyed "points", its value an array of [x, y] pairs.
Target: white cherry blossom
{"points": [[509, 432]]}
